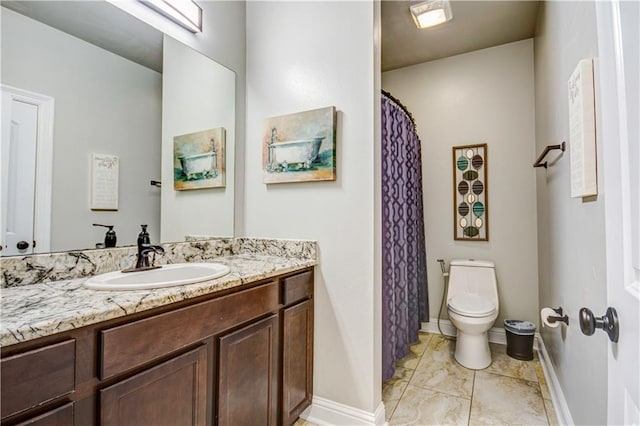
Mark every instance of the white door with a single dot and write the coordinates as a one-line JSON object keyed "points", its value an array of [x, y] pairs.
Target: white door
{"points": [[20, 131], [619, 69], [25, 158]]}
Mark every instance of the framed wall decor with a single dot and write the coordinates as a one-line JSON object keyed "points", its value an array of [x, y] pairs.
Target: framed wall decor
{"points": [[105, 174], [300, 147], [199, 160], [470, 193]]}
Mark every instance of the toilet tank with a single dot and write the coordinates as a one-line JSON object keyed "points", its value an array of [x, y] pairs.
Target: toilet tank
{"points": [[473, 277]]}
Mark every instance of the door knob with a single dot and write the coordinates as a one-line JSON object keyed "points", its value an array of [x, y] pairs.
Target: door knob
{"points": [[22, 245], [608, 323]]}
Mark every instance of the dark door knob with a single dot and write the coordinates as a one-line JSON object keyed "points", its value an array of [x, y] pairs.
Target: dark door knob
{"points": [[22, 245], [608, 323]]}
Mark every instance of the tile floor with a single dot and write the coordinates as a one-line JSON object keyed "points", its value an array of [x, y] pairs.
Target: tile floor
{"points": [[430, 388]]}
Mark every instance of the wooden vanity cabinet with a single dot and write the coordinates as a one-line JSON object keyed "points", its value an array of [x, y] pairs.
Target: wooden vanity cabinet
{"points": [[297, 346], [248, 375], [238, 357]]}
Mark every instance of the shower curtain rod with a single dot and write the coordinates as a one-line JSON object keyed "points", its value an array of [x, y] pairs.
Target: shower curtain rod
{"points": [[401, 106]]}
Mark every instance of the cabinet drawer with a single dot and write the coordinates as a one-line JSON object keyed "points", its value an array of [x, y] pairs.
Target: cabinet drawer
{"points": [[40, 375], [297, 287], [61, 416], [131, 345]]}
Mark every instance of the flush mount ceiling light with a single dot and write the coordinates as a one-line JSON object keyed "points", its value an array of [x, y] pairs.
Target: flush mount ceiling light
{"points": [[431, 13], [183, 12]]}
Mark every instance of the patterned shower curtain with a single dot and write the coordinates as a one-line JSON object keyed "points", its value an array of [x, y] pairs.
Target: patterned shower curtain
{"points": [[404, 272]]}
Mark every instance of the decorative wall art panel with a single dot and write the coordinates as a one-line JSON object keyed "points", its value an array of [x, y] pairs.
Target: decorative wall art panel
{"points": [[199, 160], [300, 147], [105, 170], [470, 197]]}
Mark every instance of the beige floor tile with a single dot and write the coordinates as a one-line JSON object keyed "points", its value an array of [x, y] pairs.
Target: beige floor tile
{"points": [[424, 337], [410, 361], [416, 350], [402, 373], [440, 372], [506, 400], [544, 386], [505, 365], [441, 348], [393, 389], [425, 407], [302, 422], [551, 412]]}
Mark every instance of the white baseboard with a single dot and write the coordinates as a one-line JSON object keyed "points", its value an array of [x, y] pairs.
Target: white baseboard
{"points": [[326, 412], [557, 396], [496, 334]]}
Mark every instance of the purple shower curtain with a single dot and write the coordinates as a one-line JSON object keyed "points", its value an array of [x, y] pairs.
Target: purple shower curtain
{"points": [[404, 273]]}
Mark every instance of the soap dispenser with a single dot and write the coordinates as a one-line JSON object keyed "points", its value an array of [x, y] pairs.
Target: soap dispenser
{"points": [[143, 237], [110, 237]]}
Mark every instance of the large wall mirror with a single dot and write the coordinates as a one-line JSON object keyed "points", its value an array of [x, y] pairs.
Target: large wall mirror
{"points": [[106, 88]]}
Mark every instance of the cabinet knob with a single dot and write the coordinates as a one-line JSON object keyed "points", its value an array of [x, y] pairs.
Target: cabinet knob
{"points": [[22, 245], [608, 323]]}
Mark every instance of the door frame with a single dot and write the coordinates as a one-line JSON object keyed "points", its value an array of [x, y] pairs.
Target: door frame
{"points": [[44, 162]]}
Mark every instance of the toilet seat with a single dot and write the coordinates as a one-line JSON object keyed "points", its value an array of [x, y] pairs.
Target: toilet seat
{"points": [[471, 305]]}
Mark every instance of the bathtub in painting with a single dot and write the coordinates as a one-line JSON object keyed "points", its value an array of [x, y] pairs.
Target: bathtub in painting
{"points": [[199, 166], [300, 153]]}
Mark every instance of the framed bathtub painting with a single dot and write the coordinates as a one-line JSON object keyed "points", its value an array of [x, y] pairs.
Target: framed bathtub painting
{"points": [[470, 196], [199, 160], [300, 147]]}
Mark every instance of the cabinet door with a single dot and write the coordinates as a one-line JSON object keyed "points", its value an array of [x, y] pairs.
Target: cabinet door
{"points": [[297, 360], [248, 375], [172, 393]]}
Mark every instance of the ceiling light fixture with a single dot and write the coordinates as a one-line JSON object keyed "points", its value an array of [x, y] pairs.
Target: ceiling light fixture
{"points": [[183, 12], [431, 13]]}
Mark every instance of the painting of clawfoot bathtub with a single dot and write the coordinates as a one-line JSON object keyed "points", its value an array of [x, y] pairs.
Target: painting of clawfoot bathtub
{"points": [[199, 160], [300, 147]]}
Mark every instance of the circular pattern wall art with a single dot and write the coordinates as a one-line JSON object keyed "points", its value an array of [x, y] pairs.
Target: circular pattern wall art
{"points": [[470, 200]]}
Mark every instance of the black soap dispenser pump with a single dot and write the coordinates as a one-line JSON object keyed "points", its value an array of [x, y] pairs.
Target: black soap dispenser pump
{"points": [[110, 237], [143, 236]]}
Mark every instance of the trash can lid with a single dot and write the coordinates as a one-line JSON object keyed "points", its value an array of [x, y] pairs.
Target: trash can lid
{"points": [[525, 328]]}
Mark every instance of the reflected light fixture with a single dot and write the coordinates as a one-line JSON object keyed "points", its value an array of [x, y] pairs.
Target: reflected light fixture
{"points": [[431, 13], [185, 13]]}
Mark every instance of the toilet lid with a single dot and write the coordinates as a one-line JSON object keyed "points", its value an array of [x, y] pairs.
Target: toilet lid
{"points": [[471, 305]]}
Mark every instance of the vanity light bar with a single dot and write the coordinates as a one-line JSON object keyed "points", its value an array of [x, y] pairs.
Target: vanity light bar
{"points": [[183, 12]]}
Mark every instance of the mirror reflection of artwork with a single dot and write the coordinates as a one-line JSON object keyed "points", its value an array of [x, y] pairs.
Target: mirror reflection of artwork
{"points": [[198, 160], [470, 199], [300, 147]]}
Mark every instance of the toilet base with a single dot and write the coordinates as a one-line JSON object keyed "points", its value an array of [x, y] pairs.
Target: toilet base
{"points": [[472, 350]]}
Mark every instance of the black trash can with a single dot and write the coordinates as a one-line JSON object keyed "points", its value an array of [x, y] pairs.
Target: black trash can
{"points": [[520, 339]]}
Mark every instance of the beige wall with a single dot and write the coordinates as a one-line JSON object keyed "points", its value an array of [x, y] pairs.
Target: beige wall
{"points": [[570, 231], [104, 104], [186, 76], [483, 96], [301, 56]]}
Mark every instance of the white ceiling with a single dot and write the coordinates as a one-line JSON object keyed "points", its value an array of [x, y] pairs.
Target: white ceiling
{"points": [[99, 23], [475, 25]]}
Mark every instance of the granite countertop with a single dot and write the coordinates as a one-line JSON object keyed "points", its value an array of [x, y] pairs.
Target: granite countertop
{"points": [[39, 310]]}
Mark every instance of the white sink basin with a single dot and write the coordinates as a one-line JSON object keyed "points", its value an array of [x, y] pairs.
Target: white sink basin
{"points": [[167, 276]]}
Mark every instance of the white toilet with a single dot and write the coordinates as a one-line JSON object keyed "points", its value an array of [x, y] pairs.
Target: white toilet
{"points": [[472, 305]]}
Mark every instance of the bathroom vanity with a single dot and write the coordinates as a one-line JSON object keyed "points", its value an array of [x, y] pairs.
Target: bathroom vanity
{"points": [[238, 353]]}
